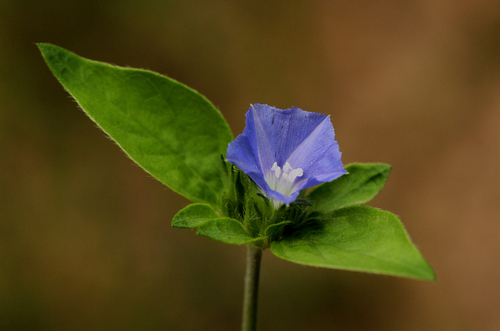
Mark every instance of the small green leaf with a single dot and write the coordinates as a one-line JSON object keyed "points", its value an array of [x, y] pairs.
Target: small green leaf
{"points": [[193, 215], [357, 238], [170, 130], [227, 230], [360, 185]]}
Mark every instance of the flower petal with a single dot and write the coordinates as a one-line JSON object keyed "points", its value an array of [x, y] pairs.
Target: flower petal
{"points": [[290, 146]]}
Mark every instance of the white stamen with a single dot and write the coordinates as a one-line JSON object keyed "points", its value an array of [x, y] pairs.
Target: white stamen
{"points": [[283, 179], [287, 167], [294, 174]]}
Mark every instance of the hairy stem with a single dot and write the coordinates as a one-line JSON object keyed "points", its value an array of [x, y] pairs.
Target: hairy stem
{"points": [[254, 255]]}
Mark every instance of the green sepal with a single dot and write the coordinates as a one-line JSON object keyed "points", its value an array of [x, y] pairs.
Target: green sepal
{"points": [[170, 130], [226, 230], [194, 215], [359, 238], [362, 183]]}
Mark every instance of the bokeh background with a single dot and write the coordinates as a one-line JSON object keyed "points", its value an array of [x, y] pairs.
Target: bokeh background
{"points": [[85, 236]]}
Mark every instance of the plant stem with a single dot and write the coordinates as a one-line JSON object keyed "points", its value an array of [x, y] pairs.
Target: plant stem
{"points": [[254, 255]]}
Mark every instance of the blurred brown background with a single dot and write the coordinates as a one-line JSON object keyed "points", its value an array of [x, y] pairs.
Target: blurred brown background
{"points": [[85, 236]]}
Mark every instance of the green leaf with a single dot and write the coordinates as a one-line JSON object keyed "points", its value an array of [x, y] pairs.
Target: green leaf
{"points": [[357, 238], [360, 185], [193, 215], [211, 225], [170, 130], [227, 230]]}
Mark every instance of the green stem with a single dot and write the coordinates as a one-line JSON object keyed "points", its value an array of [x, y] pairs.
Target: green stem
{"points": [[254, 255]]}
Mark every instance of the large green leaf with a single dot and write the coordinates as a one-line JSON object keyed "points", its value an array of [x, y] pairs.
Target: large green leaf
{"points": [[227, 230], [170, 130], [360, 185], [357, 238], [194, 215]]}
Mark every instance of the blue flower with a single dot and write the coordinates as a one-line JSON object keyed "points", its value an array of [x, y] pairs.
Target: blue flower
{"points": [[286, 151]]}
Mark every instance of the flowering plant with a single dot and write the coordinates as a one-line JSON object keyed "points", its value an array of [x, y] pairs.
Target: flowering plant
{"points": [[253, 189]]}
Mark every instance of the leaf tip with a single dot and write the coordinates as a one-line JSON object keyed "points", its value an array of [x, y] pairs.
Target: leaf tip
{"points": [[44, 47], [430, 274]]}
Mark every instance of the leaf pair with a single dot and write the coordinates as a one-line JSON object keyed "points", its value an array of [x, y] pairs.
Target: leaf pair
{"points": [[178, 136], [354, 237]]}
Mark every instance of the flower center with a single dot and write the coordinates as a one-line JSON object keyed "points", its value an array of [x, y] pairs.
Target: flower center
{"points": [[282, 180]]}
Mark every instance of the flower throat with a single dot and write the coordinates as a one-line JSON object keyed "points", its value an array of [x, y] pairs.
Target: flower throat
{"points": [[282, 179]]}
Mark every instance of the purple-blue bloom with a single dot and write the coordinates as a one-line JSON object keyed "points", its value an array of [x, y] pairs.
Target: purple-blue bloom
{"points": [[286, 151]]}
